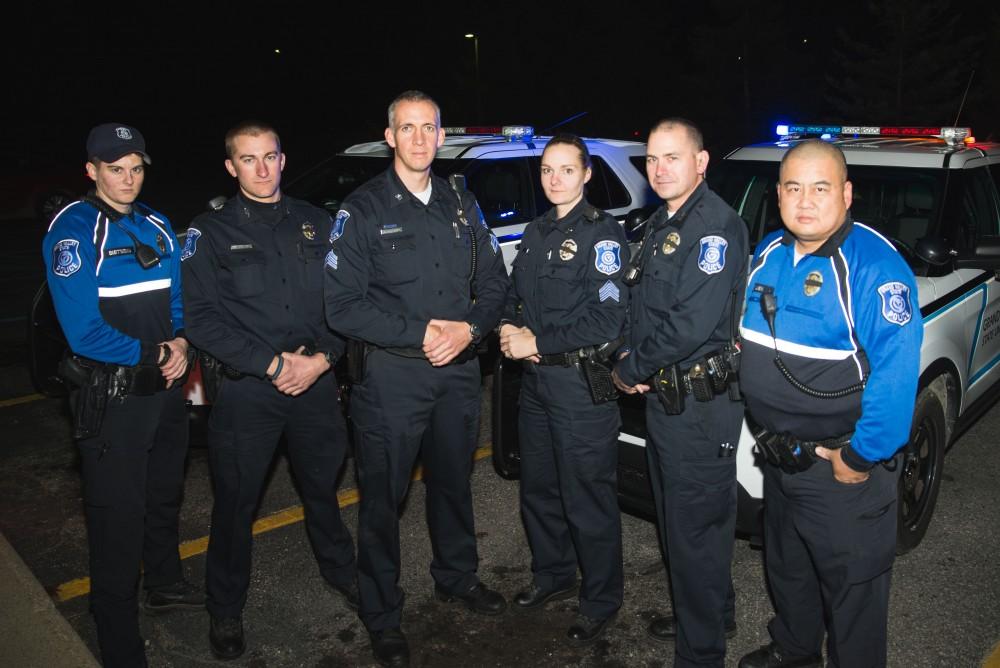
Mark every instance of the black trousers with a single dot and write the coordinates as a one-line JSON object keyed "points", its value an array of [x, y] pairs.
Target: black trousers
{"points": [[405, 407], [695, 494], [569, 501], [248, 419], [133, 481], [829, 549]]}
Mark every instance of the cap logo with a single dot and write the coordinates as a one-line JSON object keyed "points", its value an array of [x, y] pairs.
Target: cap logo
{"points": [[123, 133]]}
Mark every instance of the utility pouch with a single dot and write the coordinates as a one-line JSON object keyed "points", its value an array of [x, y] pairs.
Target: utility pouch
{"points": [[211, 375], [356, 352], [700, 382], [597, 373], [669, 390]]}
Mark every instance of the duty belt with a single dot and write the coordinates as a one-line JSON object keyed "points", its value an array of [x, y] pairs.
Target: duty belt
{"points": [[418, 353], [786, 451], [141, 379], [561, 359]]}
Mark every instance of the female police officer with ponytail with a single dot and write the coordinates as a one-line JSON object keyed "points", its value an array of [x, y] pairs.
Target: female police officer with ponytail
{"points": [[567, 299]]}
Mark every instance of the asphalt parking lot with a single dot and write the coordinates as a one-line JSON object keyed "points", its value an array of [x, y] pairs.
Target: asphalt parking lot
{"points": [[945, 606]]}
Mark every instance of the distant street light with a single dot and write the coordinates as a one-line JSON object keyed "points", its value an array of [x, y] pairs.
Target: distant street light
{"points": [[475, 45]]}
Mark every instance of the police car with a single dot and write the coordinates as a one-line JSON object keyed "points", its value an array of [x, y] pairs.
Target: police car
{"points": [[934, 193]]}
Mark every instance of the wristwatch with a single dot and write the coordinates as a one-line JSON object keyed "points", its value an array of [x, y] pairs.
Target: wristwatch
{"points": [[330, 357], [476, 333]]}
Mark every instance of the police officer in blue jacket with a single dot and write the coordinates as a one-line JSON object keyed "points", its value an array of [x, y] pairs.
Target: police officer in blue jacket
{"points": [[253, 300], [399, 278], [566, 298], [113, 268], [683, 310], [831, 356]]}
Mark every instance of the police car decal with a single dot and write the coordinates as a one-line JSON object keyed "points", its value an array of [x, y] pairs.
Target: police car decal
{"points": [[190, 243], [66, 258], [331, 260], [609, 291], [608, 258], [896, 302], [712, 257], [338, 225]]}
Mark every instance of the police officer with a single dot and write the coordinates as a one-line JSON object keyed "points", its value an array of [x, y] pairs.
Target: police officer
{"points": [[835, 305], [693, 262], [400, 279], [253, 274], [113, 268], [567, 295]]}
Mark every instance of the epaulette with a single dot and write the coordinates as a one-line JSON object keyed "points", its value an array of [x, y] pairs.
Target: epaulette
{"points": [[591, 213]]}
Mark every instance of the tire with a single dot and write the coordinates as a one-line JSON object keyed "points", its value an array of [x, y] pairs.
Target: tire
{"points": [[922, 465]]}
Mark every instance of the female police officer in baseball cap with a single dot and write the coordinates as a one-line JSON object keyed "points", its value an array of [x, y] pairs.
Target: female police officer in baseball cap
{"points": [[567, 295]]}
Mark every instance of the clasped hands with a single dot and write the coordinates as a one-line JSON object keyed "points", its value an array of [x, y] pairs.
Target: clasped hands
{"points": [[518, 343]]}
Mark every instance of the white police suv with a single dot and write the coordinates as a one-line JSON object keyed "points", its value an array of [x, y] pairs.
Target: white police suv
{"points": [[934, 193]]}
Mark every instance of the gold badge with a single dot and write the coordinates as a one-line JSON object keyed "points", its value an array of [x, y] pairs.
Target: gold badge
{"points": [[161, 243], [670, 243], [567, 250], [309, 231], [814, 281]]}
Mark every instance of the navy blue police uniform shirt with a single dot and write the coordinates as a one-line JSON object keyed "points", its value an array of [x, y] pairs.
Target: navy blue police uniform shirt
{"points": [[253, 282], [682, 308], [848, 308], [396, 263], [566, 280], [110, 308]]}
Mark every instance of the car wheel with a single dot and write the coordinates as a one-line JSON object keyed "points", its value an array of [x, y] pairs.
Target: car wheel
{"points": [[922, 464]]}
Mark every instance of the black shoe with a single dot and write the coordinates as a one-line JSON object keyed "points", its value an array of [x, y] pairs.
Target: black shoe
{"points": [[664, 629], [772, 656], [390, 648], [226, 637], [479, 599], [348, 592], [585, 629], [534, 596], [181, 595]]}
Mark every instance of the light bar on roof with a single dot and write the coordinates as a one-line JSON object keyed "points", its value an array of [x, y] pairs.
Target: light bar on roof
{"points": [[473, 130], [951, 135], [518, 132]]}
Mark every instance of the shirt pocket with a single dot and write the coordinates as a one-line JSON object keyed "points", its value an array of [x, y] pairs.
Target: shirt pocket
{"points": [[312, 255], [559, 286], [395, 261], [243, 271]]}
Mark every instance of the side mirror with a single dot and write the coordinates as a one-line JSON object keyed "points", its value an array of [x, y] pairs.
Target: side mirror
{"points": [[635, 221], [216, 203], [985, 255], [932, 250]]}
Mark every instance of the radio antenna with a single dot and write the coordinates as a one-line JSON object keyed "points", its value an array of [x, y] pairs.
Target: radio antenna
{"points": [[964, 95]]}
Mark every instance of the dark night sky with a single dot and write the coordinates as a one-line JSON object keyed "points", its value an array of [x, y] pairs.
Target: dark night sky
{"points": [[183, 73]]}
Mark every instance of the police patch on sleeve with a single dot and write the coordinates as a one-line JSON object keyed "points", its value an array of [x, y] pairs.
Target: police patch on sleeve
{"points": [[190, 243], [338, 225], [331, 260], [66, 258], [609, 291], [494, 244], [608, 256], [712, 257], [896, 307]]}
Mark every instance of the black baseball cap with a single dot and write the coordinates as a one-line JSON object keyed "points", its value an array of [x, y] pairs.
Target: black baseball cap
{"points": [[110, 141]]}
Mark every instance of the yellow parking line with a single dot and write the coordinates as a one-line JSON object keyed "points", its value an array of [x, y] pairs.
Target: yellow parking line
{"points": [[28, 398], [348, 497], [993, 660]]}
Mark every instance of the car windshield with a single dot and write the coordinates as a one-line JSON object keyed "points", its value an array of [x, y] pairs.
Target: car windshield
{"points": [[903, 204], [328, 183]]}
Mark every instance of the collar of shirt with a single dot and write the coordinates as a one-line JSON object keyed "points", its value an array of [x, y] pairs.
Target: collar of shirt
{"points": [[829, 246], [257, 212], [569, 220], [678, 218], [398, 192]]}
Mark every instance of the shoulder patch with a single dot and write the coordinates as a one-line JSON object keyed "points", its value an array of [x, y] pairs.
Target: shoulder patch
{"points": [[712, 256], [608, 256], [896, 307], [190, 243], [66, 258], [339, 222], [331, 260]]}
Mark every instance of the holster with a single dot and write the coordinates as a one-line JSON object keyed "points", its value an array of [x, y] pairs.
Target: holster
{"points": [[89, 399], [356, 352], [211, 375], [790, 454], [669, 389], [597, 373]]}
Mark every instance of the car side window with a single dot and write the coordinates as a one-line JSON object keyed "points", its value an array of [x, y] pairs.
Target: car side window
{"points": [[978, 212], [503, 189], [605, 190]]}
